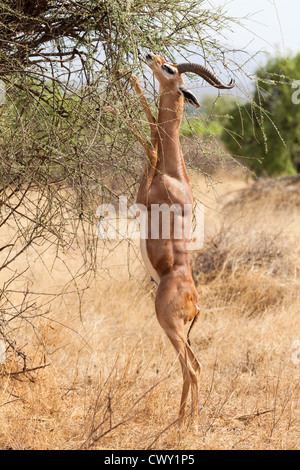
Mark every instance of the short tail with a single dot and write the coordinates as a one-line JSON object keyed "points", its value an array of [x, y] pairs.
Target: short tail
{"points": [[192, 324]]}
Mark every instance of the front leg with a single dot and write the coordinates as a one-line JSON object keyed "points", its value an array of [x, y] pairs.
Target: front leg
{"points": [[132, 127], [149, 171], [150, 147], [151, 119]]}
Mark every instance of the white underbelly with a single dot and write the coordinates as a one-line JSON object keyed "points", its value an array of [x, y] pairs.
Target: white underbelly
{"points": [[153, 273]]}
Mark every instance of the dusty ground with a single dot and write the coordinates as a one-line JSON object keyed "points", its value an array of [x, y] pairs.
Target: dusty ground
{"points": [[112, 380]]}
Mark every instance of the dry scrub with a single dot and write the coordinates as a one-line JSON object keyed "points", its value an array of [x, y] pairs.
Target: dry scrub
{"points": [[109, 378]]}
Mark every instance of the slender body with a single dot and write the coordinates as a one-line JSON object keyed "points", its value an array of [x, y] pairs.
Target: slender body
{"points": [[165, 181], [176, 300]]}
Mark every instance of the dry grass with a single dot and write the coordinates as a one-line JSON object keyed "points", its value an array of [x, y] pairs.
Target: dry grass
{"points": [[113, 381]]}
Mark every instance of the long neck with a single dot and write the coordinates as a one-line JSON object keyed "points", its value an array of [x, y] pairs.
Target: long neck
{"points": [[170, 160]]}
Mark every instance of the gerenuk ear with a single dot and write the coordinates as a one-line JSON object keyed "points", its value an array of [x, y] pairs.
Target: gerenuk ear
{"points": [[189, 97]]}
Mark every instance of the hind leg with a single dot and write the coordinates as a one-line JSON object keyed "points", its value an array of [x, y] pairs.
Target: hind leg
{"points": [[189, 364], [195, 382], [175, 305], [185, 389]]}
